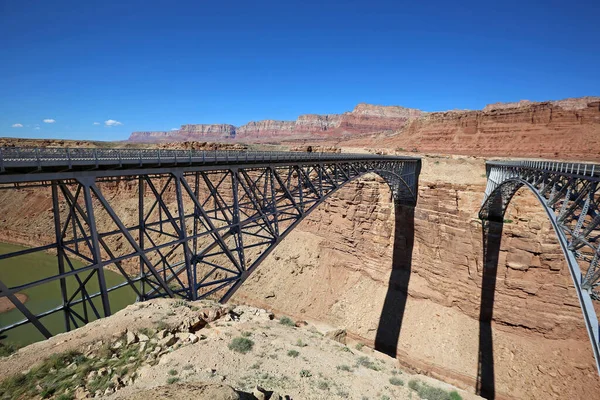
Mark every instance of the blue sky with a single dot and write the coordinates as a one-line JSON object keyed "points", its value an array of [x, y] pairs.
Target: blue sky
{"points": [[154, 65]]}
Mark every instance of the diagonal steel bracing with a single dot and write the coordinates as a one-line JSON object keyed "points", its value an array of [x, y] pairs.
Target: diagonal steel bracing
{"points": [[201, 224], [570, 195]]}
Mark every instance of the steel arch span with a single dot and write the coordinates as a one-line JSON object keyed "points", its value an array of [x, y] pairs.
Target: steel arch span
{"points": [[570, 195], [201, 224]]}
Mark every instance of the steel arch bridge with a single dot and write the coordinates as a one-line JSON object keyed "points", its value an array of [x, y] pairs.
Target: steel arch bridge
{"points": [[570, 195], [201, 224]]}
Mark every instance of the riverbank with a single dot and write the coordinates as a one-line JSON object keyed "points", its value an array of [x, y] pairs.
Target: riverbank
{"points": [[7, 305]]}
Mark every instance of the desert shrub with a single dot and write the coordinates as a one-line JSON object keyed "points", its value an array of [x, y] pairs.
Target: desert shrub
{"points": [[346, 368], [7, 349], [426, 391], [241, 345], [305, 373], [323, 385], [246, 334], [396, 381], [286, 321], [172, 372], [367, 363], [293, 353], [172, 380]]}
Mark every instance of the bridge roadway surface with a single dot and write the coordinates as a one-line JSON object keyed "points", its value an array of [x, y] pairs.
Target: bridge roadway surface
{"points": [[33, 164]]}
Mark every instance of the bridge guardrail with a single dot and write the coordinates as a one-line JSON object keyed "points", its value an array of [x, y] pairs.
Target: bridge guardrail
{"points": [[583, 169], [38, 157]]}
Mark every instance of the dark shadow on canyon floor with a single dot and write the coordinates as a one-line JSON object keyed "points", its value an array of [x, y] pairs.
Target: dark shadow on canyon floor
{"points": [[492, 236], [390, 321]]}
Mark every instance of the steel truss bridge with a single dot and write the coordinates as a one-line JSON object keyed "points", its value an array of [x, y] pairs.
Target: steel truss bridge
{"points": [[200, 222], [570, 195], [197, 225]]}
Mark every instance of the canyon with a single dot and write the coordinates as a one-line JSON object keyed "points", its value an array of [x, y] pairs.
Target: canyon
{"points": [[350, 262], [408, 282]]}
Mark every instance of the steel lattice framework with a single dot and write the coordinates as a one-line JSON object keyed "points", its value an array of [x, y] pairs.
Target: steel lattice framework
{"points": [[201, 224], [570, 195]]}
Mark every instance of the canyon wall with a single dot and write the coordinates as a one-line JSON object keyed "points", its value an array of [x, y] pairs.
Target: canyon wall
{"points": [[527, 130], [365, 118], [348, 264], [567, 128]]}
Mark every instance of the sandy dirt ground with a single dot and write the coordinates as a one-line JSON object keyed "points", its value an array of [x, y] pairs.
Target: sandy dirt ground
{"points": [[299, 362]]}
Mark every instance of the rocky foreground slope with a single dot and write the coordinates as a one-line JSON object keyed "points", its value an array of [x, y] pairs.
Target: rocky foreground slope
{"points": [[172, 349]]}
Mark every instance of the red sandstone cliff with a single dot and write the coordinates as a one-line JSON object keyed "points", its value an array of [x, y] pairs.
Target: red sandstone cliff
{"points": [[569, 128]]}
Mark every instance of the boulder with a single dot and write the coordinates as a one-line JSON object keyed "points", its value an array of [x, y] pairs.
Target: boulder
{"points": [[339, 335]]}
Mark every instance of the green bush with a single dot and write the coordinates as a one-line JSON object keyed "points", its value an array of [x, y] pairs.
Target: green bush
{"points": [[7, 349], [172, 380], [344, 368], [241, 345], [396, 381], [305, 373], [323, 385], [364, 361], [426, 391], [286, 321], [293, 353]]}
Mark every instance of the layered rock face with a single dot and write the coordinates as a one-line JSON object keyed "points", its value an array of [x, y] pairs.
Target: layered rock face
{"points": [[569, 128], [416, 287], [350, 262], [186, 133], [365, 118]]}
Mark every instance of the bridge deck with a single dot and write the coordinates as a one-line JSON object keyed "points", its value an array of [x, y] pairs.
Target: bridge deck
{"points": [[19, 161]]}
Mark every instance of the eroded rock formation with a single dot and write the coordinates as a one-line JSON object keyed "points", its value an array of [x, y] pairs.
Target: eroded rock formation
{"points": [[566, 128]]}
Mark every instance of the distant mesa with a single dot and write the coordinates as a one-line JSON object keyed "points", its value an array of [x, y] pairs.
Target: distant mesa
{"points": [[539, 128], [365, 118]]}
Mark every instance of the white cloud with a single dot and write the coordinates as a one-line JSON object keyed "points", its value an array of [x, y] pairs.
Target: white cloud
{"points": [[112, 122], [96, 123], [49, 120], [17, 125], [37, 128], [174, 129]]}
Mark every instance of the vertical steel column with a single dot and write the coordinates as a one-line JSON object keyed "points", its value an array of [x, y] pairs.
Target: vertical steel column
{"points": [[60, 253], [89, 206], [183, 236], [236, 218], [142, 229]]}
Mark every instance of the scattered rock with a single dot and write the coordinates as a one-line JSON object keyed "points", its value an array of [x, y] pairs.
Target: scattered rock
{"points": [[259, 393], [186, 391], [131, 338], [169, 340], [339, 335], [162, 334], [143, 338]]}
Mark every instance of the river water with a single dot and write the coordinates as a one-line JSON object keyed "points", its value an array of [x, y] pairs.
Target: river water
{"points": [[35, 266]]}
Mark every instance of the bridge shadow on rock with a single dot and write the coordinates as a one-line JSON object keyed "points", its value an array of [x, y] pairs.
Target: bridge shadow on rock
{"points": [[392, 314], [492, 236]]}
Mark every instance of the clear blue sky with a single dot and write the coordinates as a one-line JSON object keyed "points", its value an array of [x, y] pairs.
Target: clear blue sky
{"points": [[154, 65]]}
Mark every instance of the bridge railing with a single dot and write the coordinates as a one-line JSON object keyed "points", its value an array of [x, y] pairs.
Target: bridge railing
{"points": [[16, 157], [581, 169]]}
